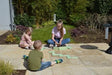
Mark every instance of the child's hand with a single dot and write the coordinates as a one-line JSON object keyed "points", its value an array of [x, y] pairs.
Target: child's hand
{"points": [[56, 43], [59, 43]]}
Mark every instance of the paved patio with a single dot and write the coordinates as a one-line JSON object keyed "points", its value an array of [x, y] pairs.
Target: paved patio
{"points": [[3, 31], [89, 62]]}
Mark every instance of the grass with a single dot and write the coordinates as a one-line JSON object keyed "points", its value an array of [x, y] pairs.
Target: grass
{"points": [[44, 34]]}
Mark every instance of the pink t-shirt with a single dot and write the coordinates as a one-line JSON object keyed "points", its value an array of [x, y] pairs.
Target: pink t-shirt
{"points": [[57, 33]]}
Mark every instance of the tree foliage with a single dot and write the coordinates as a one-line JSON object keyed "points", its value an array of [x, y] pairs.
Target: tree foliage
{"points": [[104, 6], [43, 10], [100, 6], [71, 10]]}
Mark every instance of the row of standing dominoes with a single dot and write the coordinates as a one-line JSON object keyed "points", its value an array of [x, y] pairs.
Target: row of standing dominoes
{"points": [[61, 55]]}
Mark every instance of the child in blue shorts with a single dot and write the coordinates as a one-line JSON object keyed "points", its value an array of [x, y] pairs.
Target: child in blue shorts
{"points": [[35, 57]]}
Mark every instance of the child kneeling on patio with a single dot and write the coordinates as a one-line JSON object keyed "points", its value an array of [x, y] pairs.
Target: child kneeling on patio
{"points": [[34, 58], [26, 41]]}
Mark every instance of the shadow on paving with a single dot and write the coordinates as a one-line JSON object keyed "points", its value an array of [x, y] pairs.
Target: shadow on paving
{"points": [[88, 47], [91, 47]]}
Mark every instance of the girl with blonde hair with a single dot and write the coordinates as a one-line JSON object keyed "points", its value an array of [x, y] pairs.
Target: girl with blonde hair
{"points": [[58, 35], [26, 39]]}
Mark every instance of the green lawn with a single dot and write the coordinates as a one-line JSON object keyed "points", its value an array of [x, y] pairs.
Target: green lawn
{"points": [[44, 34]]}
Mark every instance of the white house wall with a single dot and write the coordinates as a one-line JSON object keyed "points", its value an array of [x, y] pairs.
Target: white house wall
{"points": [[4, 15]]}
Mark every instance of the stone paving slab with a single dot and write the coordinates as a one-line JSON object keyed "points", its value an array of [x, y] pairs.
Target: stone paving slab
{"points": [[96, 61], [71, 70], [3, 31], [89, 61], [13, 54], [101, 70]]}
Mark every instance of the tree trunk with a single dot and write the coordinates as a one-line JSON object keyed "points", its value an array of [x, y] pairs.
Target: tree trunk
{"points": [[37, 23]]}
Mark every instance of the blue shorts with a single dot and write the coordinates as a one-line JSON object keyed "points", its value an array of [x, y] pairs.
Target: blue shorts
{"points": [[44, 65]]}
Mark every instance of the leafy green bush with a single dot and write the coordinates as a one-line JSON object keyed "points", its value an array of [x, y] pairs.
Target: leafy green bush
{"points": [[6, 68], [24, 20], [13, 37], [77, 17], [34, 26], [48, 23], [17, 38]]}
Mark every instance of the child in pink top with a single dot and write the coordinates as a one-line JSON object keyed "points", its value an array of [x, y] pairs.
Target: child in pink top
{"points": [[26, 41]]}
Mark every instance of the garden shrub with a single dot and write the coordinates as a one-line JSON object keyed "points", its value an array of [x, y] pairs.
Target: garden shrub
{"points": [[78, 31], [17, 38], [48, 23], [6, 68], [21, 28], [34, 26], [10, 38], [76, 18], [25, 20], [14, 37], [95, 22]]}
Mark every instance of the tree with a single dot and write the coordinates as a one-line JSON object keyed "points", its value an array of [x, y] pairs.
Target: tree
{"points": [[72, 10], [100, 6], [42, 9], [20, 6], [104, 6]]}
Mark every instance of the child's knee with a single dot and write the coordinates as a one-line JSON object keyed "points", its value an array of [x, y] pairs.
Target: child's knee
{"points": [[68, 39], [49, 41]]}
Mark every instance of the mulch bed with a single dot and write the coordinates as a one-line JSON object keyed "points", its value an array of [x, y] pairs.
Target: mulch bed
{"points": [[20, 72], [85, 35], [4, 36], [92, 37]]}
